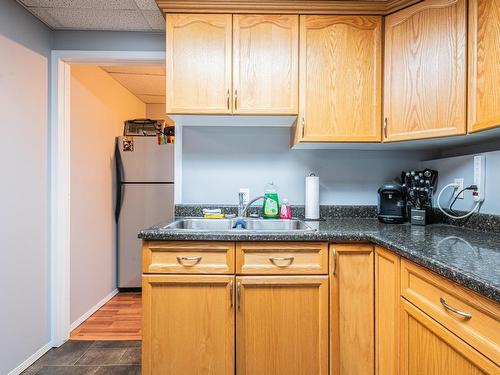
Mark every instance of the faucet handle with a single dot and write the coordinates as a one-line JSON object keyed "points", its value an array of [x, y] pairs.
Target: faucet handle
{"points": [[241, 196]]}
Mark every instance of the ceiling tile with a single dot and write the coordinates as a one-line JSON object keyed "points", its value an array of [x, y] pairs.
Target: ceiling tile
{"points": [[99, 19], [154, 19], [43, 15], [135, 69], [81, 4], [152, 99], [142, 84], [147, 4]]}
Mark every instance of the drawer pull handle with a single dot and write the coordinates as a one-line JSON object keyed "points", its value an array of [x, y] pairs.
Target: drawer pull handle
{"points": [[452, 309], [274, 261], [181, 261]]}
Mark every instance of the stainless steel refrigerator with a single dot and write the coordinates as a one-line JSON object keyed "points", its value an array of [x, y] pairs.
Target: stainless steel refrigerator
{"points": [[144, 197]]}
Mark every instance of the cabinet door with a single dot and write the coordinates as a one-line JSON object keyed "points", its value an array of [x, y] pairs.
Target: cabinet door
{"points": [[484, 64], [282, 325], [199, 63], [387, 292], [429, 348], [188, 325], [352, 310], [425, 71], [265, 64], [340, 79]]}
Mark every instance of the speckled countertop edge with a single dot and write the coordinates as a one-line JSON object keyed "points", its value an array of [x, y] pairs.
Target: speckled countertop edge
{"points": [[405, 248]]}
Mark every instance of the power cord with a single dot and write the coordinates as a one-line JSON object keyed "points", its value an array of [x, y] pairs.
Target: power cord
{"points": [[453, 214]]}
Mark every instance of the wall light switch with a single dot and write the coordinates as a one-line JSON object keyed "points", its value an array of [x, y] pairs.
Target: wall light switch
{"points": [[246, 195]]}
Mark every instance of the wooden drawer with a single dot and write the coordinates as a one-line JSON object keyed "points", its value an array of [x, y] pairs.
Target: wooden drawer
{"points": [[430, 292], [188, 257], [278, 258]]}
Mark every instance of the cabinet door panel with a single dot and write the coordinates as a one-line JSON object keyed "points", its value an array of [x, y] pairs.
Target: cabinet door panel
{"points": [[340, 78], [429, 348], [484, 64], [265, 64], [199, 63], [282, 325], [425, 70], [188, 325], [352, 310], [387, 279]]}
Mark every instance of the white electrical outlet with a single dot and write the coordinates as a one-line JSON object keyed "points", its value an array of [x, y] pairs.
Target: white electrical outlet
{"points": [[479, 178], [460, 183], [246, 195]]}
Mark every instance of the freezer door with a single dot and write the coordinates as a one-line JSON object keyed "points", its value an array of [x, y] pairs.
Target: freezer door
{"points": [[144, 205], [142, 159]]}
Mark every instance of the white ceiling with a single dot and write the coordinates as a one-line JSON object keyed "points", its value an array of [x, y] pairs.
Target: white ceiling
{"points": [[116, 15], [147, 82]]}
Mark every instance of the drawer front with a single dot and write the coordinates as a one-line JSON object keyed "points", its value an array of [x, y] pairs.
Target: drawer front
{"points": [[470, 316], [279, 258], [188, 257]]}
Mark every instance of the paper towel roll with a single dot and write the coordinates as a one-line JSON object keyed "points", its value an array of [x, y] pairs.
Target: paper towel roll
{"points": [[312, 197]]}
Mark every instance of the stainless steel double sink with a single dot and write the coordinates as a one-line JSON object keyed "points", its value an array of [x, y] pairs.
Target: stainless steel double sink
{"points": [[250, 224]]}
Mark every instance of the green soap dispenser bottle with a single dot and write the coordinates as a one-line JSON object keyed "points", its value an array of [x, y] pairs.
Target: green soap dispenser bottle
{"points": [[271, 206]]}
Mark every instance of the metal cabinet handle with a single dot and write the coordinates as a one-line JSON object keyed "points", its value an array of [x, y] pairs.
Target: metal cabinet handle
{"points": [[289, 261], [334, 261], [181, 261], [303, 126], [227, 99], [385, 127], [235, 99], [231, 293], [454, 310], [238, 295]]}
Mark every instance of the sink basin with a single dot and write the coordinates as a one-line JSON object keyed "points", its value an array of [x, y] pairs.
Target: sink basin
{"points": [[258, 225]]}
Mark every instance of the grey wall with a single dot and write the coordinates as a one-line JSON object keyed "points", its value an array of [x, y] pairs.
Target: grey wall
{"points": [[108, 41], [24, 272], [218, 161], [462, 167]]}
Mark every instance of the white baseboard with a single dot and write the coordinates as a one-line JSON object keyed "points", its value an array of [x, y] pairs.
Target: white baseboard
{"points": [[28, 362], [92, 310]]}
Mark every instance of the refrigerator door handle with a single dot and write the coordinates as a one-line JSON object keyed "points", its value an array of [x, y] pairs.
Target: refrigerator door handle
{"points": [[119, 179]]}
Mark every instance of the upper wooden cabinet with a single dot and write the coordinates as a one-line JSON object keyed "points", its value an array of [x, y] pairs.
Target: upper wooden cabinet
{"points": [[340, 79], [209, 74], [425, 71], [265, 64], [199, 63], [484, 64]]}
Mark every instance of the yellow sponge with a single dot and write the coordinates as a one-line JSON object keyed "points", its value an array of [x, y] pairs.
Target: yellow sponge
{"points": [[213, 216]]}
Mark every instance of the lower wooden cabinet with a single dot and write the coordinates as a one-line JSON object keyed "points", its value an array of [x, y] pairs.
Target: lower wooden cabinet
{"points": [[352, 309], [429, 348], [282, 325], [188, 325], [387, 292]]}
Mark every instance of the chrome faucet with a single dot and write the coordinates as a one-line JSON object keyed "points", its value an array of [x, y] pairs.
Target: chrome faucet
{"points": [[242, 209]]}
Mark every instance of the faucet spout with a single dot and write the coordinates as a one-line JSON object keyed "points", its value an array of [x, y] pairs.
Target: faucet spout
{"points": [[245, 209]]}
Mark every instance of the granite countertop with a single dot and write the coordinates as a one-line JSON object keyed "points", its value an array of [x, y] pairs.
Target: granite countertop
{"points": [[468, 257]]}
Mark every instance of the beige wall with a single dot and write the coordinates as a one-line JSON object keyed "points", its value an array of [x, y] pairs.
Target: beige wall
{"points": [[24, 220], [99, 106], [157, 112]]}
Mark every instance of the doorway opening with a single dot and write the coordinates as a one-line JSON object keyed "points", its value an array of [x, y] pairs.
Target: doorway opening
{"points": [[94, 93]]}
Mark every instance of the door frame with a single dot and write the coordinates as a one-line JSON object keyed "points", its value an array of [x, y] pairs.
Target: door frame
{"points": [[59, 162]]}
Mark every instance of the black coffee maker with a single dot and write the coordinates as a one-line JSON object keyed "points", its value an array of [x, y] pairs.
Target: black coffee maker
{"points": [[391, 204]]}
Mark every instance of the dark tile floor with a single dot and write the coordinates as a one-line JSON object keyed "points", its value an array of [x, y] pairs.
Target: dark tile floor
{"points": [[90, 358]]}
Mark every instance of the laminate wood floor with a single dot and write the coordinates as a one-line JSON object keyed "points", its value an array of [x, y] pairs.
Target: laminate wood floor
{"points": [[118, 319]]}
